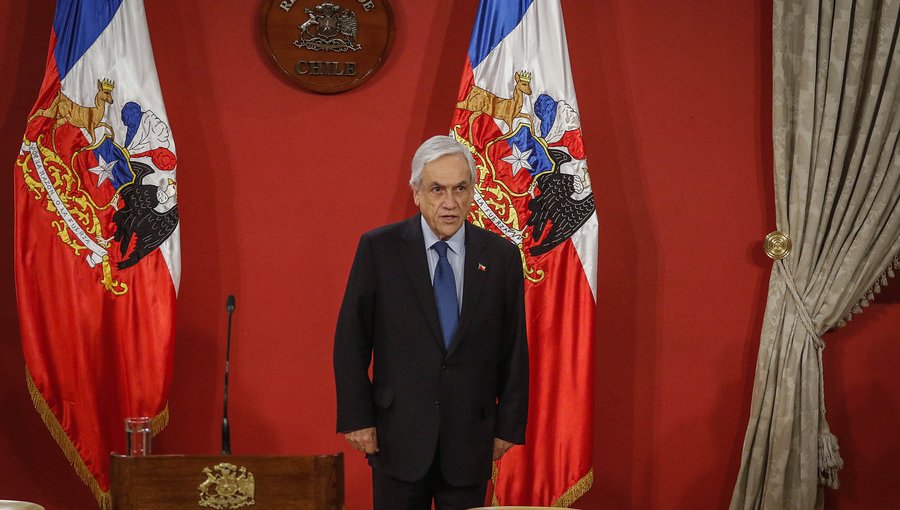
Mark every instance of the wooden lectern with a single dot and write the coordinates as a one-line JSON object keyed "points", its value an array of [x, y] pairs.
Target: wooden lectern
{"points": [[182, 482]]}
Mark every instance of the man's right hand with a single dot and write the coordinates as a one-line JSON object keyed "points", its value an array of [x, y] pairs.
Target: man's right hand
{"points": [[364, 440]]}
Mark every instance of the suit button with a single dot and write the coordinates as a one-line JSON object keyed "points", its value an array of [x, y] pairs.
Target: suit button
{"points": [[443, 368], [437, 404]]}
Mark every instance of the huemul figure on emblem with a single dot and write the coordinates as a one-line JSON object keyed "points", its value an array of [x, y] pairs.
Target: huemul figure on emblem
{"points": [[66, 111], [480, 101]]}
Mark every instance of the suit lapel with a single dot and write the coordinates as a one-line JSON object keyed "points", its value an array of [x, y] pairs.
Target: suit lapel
{"points": [[473, 282], [416, 265]]}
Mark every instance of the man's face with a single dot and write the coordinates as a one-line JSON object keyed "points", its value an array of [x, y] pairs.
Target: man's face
{"points": [[444, 194]]}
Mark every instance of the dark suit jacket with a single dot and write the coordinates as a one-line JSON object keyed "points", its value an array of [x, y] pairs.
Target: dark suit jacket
{"points": [[424, 398]]}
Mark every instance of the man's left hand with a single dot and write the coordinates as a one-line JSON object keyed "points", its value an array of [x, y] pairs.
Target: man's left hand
{"points": [[501, 447]]}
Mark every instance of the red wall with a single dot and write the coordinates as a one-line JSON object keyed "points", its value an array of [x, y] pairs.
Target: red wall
{"points": [[276, 184]]}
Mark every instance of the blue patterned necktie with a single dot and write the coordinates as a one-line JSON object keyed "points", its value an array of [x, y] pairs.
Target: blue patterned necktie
{"points": [[445, 293]]}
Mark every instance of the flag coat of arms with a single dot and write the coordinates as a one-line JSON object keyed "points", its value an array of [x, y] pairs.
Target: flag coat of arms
{"points": [[97, 259], [516, 111]]}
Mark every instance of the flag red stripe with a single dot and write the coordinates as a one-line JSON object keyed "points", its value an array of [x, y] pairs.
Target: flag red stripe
{"points": [[560, 314]]}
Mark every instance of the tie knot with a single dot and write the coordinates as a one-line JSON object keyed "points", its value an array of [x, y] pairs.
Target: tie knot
{"points": [[441, 248]]}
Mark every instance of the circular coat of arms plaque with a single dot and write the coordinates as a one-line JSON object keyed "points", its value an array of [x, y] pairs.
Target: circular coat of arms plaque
{"points": [[327, 46]]}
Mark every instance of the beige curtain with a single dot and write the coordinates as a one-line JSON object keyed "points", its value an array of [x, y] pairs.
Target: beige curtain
{"points": [[836, 70]]}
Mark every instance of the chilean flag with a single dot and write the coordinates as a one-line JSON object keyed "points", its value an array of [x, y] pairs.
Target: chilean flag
{"points": [[97, 260], [516, 111]]}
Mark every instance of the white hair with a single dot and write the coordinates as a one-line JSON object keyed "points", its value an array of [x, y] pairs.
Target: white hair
{"points": [[434, 148]]}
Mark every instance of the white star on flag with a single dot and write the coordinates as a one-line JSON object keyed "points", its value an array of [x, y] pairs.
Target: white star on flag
{"points": [[103, 170], [518, 159]]}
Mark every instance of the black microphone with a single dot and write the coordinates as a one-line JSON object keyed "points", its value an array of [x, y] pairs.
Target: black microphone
{"points": [[226, 431]]}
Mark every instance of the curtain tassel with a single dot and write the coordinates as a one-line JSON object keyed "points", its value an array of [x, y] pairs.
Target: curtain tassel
{"points": [[830, 461]]}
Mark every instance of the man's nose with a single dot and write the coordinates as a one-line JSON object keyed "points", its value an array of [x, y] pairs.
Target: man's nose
{"points": [[447, 201]]}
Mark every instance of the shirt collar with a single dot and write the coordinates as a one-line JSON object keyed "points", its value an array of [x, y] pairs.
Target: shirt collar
{"points": [[457, 241]]}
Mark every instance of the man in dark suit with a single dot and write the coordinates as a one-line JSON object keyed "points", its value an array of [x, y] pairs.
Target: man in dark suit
{"points": [[436, 305]]}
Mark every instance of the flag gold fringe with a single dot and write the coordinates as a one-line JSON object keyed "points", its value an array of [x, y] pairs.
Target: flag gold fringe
{"points": [[160, 421], [571, 495], [104, 500], [576, 491], [495, 473], [62, 439]]}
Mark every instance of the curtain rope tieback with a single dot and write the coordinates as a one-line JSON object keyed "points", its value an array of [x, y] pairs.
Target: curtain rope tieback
{"points": [[805, 318], [828, 456], [778, 246]]}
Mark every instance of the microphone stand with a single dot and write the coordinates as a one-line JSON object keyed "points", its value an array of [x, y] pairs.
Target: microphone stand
{"points": [[226, 431]]}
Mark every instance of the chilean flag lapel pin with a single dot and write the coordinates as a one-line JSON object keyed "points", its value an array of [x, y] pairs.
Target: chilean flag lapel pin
{"points": [[482, 267]]}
